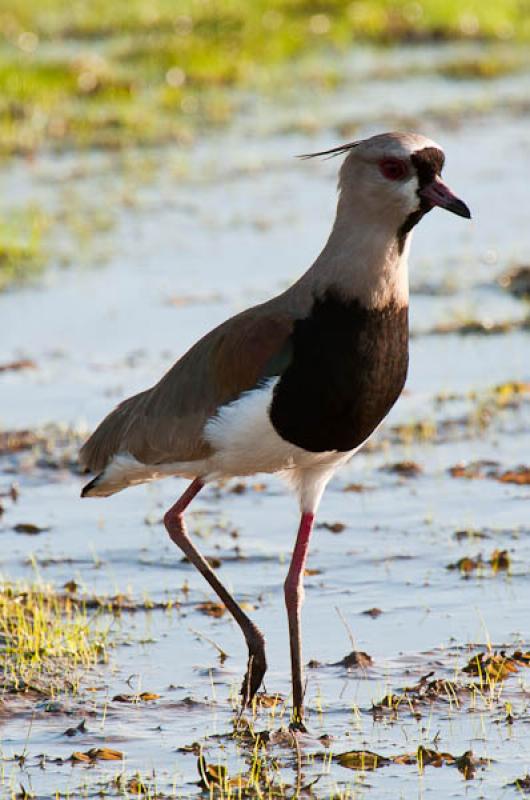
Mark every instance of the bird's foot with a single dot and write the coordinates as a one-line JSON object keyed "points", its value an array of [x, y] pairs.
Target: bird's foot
{"points": [[297, 724], [256, 669]]}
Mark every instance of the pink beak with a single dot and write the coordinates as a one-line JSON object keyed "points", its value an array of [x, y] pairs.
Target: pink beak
{"points": [[438, 194]]}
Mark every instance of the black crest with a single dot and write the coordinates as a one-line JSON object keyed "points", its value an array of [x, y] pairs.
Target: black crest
{"points": [[334, 151]]}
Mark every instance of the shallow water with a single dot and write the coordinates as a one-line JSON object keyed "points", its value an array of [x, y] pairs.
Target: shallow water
{"points": [[212, 231]]}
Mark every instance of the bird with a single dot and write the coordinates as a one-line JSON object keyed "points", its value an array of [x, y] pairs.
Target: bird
{"points": [[295, 385]]}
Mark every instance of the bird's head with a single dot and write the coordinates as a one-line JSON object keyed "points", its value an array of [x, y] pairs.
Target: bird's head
{"points": [[395, 178]]}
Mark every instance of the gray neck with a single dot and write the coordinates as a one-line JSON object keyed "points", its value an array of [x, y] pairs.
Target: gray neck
{"points": [[361, 259]]}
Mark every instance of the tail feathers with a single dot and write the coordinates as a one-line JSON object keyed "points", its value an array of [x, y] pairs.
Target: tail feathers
{"points": [[110, 436], [91, 488]]}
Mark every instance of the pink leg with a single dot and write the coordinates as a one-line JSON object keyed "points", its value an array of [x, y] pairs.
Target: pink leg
{"points": [[294, 597], [257, 664]]}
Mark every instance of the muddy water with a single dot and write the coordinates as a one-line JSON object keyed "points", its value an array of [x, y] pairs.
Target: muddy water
{"points": [[214, 230]]}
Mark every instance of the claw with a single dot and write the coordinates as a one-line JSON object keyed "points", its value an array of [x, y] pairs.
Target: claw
{"points": [[256, 669]]}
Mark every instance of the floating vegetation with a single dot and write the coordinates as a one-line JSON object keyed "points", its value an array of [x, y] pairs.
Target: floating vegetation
{"points": [[499, 561], [490, 667], [366, 761], [474, 470]]}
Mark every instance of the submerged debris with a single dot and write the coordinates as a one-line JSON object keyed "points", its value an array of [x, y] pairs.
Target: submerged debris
{"points": [[333, 527], [522, 784], [498, 561], [516, 280], [496, 666], [142, 697], [16, 366], [353, 660], [365, 760], [407, 469], [97, 754], [491, 469], [29, 528]]}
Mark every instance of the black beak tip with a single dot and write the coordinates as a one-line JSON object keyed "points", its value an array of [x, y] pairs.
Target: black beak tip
{"points": [[459, 207]]}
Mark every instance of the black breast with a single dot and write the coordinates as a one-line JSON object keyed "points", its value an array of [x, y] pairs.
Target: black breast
{"points": [[347, 368]]}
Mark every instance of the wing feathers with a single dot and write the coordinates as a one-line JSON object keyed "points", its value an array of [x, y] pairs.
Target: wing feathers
{"points": [[165, 424]]}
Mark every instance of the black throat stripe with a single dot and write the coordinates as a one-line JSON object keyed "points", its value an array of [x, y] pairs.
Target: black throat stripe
{"points": [[348, 367], [428, 163]]}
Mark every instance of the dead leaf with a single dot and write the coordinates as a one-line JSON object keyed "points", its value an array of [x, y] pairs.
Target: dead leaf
{"points": [[105, 754], [15, 366], [97, 754], [523, 784], [519, 476], [354, 659], [81, 728], [358, 488], [494, 666], [215, 776], [29, 528], [71, 586], [212, 609], [135, 698], [372, 612], [474, 470], [500, 560], [309, 572], [362, 760], [334, 527], [268, 700], [213, 561], [408, 469]]}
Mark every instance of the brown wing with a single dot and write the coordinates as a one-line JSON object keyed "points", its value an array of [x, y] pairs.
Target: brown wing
{"points": [[165, 424]]}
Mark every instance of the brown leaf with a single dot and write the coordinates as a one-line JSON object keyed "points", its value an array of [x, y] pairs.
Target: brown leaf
{"points": [[78, 756], [519, 476], [493, 666], [268, 700], [310, 572], [500, 560], [358, 488], [15, 366], [105, 754], [134, 698], [475, 469], [372, 612], [334, 527], [29, 528], [354, 659], [408, 469], [97, 754], [212, 609], [362, 760]]}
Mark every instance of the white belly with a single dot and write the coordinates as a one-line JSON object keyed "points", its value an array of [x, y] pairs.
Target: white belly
{"points": [[244, 442]]}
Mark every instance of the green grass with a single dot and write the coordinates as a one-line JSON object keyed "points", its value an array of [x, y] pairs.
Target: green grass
{"points": [[145, 72], [22, 252], [44, 639]]}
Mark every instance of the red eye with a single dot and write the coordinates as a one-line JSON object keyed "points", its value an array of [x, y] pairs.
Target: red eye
{"points": [[393, 168]]}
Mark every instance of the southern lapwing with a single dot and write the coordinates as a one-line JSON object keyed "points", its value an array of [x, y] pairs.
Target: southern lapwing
{"points": [[295, 385]]}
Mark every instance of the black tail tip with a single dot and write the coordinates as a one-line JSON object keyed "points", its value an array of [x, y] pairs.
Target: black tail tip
{"points": [[85, 491]]}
